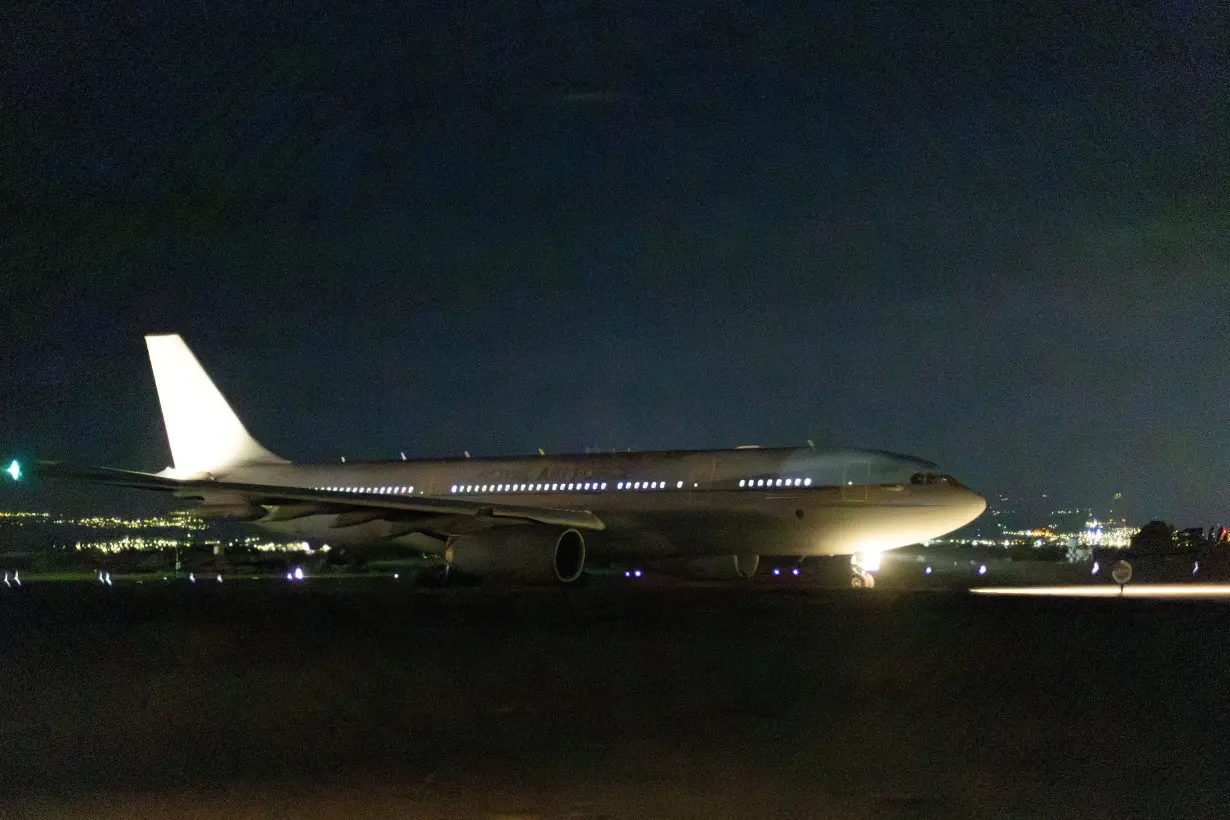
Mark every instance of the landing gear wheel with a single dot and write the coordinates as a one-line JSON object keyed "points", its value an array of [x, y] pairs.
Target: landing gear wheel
{"points": [[862, 580]]}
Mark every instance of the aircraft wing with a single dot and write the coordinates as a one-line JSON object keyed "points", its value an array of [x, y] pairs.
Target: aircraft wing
{"points": [[306, 501]]}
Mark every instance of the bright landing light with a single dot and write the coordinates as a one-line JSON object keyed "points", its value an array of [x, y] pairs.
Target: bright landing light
{"points": [[868, 560], [14, 470], [1110, 591]]}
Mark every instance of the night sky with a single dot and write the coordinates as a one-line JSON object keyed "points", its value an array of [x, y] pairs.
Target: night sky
{"points": [[998, 240]]}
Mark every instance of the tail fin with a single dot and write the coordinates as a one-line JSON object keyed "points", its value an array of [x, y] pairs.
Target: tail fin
{"points": [[204, 432]]}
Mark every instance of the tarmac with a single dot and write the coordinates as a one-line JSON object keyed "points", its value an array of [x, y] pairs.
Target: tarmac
{"points": [[363, 698]]}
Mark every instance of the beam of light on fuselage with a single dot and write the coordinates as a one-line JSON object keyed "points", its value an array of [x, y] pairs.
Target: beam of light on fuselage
{"points": [[1109, 591]]}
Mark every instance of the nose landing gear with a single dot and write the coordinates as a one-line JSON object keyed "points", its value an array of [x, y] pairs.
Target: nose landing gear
{"points": [[861, 567]]}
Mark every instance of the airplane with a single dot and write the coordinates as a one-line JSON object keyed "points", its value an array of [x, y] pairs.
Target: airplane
{"points": [[540, 518]]}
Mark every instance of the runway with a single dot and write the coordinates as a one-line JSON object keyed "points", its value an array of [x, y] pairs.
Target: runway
{"points": [[1156, 591], [364, 700]]}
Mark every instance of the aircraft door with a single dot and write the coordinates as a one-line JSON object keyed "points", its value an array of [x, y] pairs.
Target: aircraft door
{"points": [[858, 475], [701, 472]]}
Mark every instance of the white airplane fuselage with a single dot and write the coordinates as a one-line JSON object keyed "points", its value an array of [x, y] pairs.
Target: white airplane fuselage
{"points": [[800, 502]]}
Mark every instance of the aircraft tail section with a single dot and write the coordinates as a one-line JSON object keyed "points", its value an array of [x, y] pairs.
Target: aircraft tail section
{"points": [[205, 434]]}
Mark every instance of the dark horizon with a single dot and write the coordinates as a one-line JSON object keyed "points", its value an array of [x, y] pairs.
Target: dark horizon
{"points": [[997, 241]]}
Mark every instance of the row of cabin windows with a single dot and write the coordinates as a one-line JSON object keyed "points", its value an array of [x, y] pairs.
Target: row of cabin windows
{"points": [[574, 487], [591, 486], [583, 487], [588, 486], [375, 490]]}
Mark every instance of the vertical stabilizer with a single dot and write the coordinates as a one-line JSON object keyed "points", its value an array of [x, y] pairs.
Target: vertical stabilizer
{"points": [[204, 432]]}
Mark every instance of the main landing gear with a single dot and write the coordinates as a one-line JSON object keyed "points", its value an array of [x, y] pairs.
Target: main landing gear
{"points": [[861, 579]]}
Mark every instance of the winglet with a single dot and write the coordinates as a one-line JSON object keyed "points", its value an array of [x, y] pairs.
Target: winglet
{"points": [[204, 433]]}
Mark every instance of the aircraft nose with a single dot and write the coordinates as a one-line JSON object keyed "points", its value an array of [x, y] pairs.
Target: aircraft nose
{"points": [[974, 505]]}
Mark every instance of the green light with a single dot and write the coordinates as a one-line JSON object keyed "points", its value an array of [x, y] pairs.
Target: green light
{"points": [[14, 470]]}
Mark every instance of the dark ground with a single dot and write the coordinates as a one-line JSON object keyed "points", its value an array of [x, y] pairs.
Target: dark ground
{"points": [[359, 699]]}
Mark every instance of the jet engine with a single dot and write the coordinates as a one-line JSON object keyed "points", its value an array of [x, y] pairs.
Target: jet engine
{"points": [[523, 553], [710, 568]]}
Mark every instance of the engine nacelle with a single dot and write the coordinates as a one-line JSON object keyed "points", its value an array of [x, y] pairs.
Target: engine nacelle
{"points": [[710, 568], [526, 554]]}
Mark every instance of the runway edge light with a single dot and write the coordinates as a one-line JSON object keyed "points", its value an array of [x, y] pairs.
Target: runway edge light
{"points": [[14, 470]]}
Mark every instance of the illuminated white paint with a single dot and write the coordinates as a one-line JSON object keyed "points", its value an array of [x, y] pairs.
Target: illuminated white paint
{"points": [[204, 433]]}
